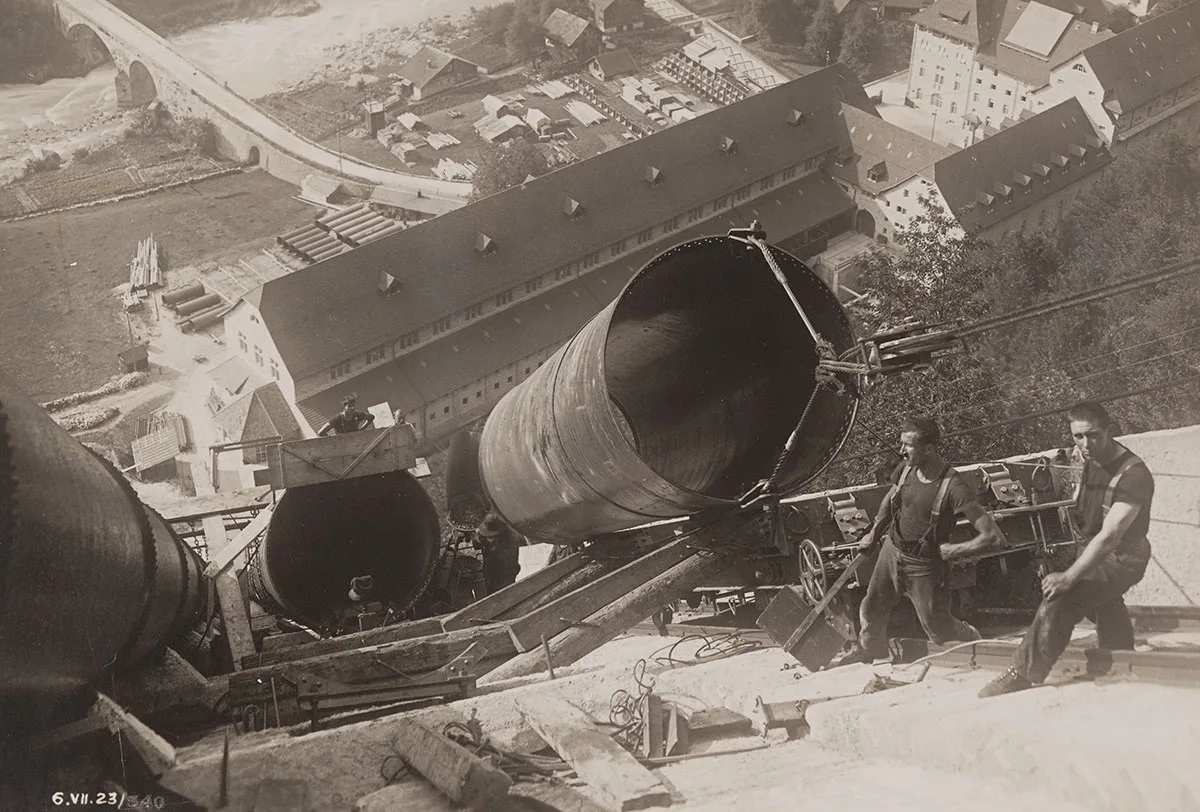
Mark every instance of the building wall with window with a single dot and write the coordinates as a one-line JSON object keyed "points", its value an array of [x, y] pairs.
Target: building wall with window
{"points": [[246, 334], [1075, 79], [996, 96], [941, 74]]}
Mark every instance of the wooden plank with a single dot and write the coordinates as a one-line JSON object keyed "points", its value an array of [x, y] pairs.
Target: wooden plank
{"points": [[235, 618], [454, 770], [347, 642], [597, 759], [560, 615], [223, 558], [411, 657], [234, 613], [653, 733], [158, 754], [628, 610], [823, 604], [216, 504], [715, 722], [341, 456], [491, 606], [584, 576]]}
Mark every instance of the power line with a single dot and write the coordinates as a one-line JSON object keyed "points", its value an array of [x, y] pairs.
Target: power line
{"points": [[1063, 367], [1035, 415], [1159, 276], [1063, 384]]}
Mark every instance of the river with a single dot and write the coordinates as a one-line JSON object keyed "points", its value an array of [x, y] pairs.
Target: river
{"points": [[255, 57]]}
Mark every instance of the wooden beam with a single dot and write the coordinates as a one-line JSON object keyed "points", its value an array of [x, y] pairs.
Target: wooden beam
{"points": [[491, 606], [597, 759], [454, 770], [584, 576], [597, 629], [223, 558], [214, 504], [234, 614], [347, 642], [158, 754], [235, 618], [411, 657], [560, 615]]}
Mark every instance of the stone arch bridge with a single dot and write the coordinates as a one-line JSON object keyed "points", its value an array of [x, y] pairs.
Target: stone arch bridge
{"points": [[149, 68]]}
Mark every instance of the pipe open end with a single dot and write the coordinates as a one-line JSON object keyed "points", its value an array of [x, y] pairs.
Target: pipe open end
{"points": [[709, 367]]}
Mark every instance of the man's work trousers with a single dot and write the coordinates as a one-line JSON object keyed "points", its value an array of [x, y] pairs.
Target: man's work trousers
{"points": [[924, 582], [1098, 597]]}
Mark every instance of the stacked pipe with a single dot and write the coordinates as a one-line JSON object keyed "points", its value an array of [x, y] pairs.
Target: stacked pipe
{"points": [[91, 580], [677, 398]]}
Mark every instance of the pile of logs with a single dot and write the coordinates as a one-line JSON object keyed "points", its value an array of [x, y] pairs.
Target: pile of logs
{"points": [[144, 271]]}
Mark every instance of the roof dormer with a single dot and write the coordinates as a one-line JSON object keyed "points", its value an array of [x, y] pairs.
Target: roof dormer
{"points": [[728, 145], [484, 244], [388, 284], [572, 207], [795, 118], [653, 175]]}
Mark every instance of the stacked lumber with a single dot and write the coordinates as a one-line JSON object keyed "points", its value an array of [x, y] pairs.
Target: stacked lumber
{"points": [[447, 169], [144, 271], [585, 113], [441, 140]]}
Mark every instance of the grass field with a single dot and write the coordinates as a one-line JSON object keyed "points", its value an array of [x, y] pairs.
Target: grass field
{"points": [[60, 324]]}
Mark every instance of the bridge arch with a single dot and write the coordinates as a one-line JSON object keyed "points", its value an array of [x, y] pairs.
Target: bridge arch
{"points": [[253, 158], [142, 89], [88, 45]]}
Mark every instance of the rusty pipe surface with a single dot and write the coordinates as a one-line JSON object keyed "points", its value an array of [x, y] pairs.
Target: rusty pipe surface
{"points": [[321, 536], [89, 577], [677, 397]]}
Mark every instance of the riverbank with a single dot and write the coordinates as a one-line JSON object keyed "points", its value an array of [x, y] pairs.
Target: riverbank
{"points": [[171, 17]]}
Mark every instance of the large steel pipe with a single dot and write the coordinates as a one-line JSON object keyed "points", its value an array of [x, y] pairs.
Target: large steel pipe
{"points": [[466, 504], [322, 536], [89, 577], [676, 398]]}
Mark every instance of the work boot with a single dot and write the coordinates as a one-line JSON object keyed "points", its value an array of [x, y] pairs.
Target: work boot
{"points": [[855, 654], [1009, 682]]}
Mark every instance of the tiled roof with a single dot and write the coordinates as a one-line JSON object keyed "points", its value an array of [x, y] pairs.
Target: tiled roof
{"points": [[564, 27], [1027, 67], [957, 19], [876, 142], [424, 65], [999, 176], [233, 374], [1150, 59], [443, 366], [259, 414], [618, 61], [332, 310]]}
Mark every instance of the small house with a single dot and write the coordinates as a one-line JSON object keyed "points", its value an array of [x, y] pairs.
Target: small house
{"points": [[431, 71], [570, 38], [615, 16], [612, 64], [134, 359]]}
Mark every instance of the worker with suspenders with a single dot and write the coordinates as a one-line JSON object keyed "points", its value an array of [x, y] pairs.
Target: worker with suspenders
{"points": [[914, 523], [1112, 515]]}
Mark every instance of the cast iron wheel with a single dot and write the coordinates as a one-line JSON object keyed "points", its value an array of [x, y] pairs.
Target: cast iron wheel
{"points": [[813, 579]]}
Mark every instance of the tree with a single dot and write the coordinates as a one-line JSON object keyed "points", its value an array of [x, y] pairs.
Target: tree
{"points": [[31, 47], [524, 38], [505, 166], [896, 46], [861, 46], [823, 35], [775, 20], [1143, 214], [491, 22]]}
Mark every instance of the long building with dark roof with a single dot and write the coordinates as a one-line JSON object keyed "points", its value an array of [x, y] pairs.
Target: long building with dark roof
{"points": [[1140, 81], [443, 318]]}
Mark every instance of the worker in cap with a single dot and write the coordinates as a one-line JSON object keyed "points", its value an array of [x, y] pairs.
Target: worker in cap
{"points": [[348, 419], [501, 552]]}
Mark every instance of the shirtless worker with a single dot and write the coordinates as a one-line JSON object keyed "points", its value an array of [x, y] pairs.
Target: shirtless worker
{"points": [[348, 419], [914, 523], [1112, 515]]}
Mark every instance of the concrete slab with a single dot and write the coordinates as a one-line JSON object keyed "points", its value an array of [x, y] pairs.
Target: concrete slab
{"points": [[1123, 746]]}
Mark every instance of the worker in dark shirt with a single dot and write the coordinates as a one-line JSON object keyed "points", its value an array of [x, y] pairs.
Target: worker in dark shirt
{"points": [[501, 552], [348, 419], [914, 523], [1112, 517]]}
